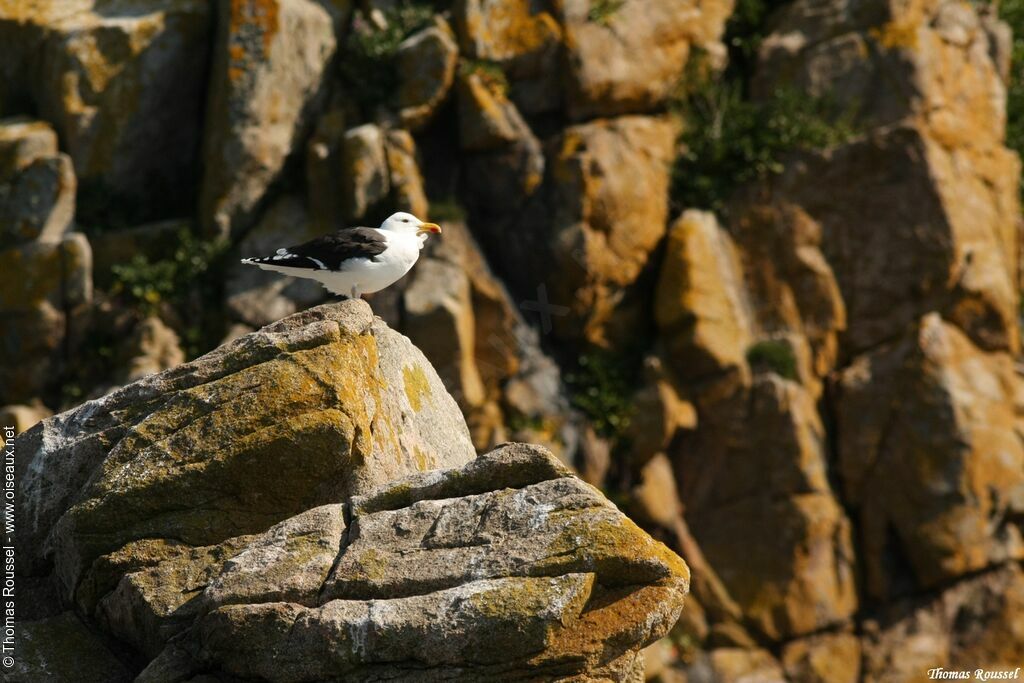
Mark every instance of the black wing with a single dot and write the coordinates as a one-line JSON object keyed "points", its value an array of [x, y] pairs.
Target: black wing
{"points": [[329, 252]]}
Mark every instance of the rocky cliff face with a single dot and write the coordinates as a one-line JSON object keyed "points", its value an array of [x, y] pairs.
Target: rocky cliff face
{"points": [[753, 268], [305, 504]]}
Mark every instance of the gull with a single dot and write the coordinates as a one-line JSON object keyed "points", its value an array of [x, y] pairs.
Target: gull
{"points": [[355, 261]]}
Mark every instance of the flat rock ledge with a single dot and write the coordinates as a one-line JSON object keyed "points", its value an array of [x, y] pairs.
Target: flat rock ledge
{"points": [[271, 512]]}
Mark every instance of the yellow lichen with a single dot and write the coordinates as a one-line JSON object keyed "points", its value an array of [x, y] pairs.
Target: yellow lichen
{"points": [[374, 564], [423, 461], [521, 596], [896, 34], [519, 31], [416, 385], [617, 549], [617, 612]]}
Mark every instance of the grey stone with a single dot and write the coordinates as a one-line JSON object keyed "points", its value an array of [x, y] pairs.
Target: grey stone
{"points": [[22, 141], [364, 170], [39, 201], [426, 68], [503, 569], [266, 81], [123, 85], [62, 649]]}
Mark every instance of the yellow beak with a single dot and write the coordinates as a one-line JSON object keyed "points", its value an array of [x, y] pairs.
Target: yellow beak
{"points": [[428, 228]]}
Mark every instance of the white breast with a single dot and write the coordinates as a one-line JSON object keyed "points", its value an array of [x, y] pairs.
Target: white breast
{"points": [[372, 275]]}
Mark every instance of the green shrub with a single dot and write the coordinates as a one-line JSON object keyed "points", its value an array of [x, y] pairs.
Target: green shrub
{"points": [[600, 387], [367, 62], [145, 284], [746, 28], [774, 356], [184, 288], [447, 209], [490, 73], [518, 422], [730, 139], [602, 11]]}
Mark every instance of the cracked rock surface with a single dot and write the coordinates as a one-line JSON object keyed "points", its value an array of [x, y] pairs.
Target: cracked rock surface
{"points": [[270, 512]]}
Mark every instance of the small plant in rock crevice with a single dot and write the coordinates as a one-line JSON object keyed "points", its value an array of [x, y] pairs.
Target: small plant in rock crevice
{"points": [[447, 209], [775, 356], [729, 141], [146, 283], [602, 11], [601, 388], [730, 138], [180, 287], [489, 72], [367, 61]]}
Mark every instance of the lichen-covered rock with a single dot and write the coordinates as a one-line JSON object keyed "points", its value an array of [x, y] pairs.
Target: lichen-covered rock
{"points": [[609, 196], [508, 567], [660, 413], [62, 648], [578, 245], [980, 619], [505, 163], [626, 57], [39, 202], [328, 400], [832, 49], [504, 569], [487, 118], [426, 70], [523, 39], [22, 141], [796, 303], [465, 321], [931, 457], [945, 151], [152, 604], [438, 317], [700, 303], [888, 272], [123, 85], [37, 184], [407, 187], [756, 470], [43, 285], [269, 61], [364, 180], [823, 658]]}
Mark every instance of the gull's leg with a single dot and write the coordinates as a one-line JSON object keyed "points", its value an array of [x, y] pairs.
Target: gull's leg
{"points": [[355, 291]]}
